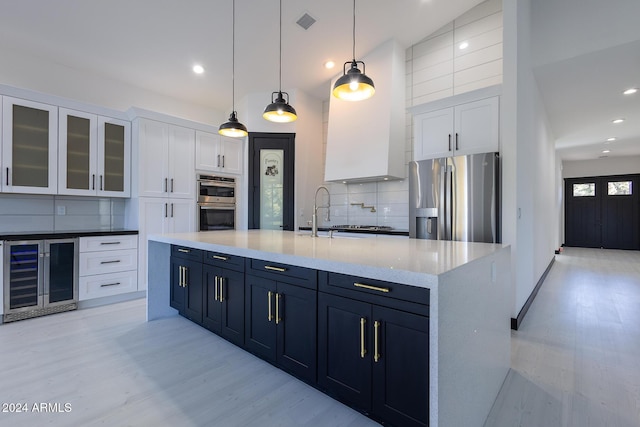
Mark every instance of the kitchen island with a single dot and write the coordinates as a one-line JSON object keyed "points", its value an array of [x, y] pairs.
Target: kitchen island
{"points": [[462, 288]]}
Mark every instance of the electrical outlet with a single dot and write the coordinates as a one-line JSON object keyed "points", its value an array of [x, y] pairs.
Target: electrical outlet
{"points": [[62, 210]]}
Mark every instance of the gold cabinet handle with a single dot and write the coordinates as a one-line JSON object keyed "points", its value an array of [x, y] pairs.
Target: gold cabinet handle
{"points": [[269, 317], [278, 319], [185, 276], [184, 251], [221, 258], [280, 269], [363, 350], [180, 279], [373, 288], [376, 329], [215, 284], [221, 281]]}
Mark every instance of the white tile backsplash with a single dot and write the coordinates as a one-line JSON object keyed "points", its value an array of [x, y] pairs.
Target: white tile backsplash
{"points": [[36, 213]]}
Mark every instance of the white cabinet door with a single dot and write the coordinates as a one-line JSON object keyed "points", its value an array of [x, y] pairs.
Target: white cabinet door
{"points": [[207, 151], [231, 149], [182, 216], [181, 173], [153, 163], [29, 147], [477, 127], [215, 153], [114, 157], [77, 152], [469, 128], [433, 134]]}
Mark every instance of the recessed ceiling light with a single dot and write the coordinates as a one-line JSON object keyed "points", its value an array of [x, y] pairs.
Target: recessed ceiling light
{"points": [[611, 139], [463, 45], [329, 65], [198, 69], [616, 121], [606, 151], [630, 91]]}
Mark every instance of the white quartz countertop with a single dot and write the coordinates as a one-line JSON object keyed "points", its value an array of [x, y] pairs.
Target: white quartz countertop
{"points": [[414, 262]]}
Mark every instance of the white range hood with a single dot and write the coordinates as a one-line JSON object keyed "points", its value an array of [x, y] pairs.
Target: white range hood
{"points": [[366, 139]]}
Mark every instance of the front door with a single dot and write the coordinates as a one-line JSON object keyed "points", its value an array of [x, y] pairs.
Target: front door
{"points": [[271, 181], [603, 212]]}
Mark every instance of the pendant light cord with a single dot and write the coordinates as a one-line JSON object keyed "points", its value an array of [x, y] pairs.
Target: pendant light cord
{"points": [[280, 71], [354, 30], [233, 58]]}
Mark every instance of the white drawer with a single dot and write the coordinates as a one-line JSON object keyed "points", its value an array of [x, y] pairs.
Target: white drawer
{"points": [[105, 285], [108, 262], [108, 243]]}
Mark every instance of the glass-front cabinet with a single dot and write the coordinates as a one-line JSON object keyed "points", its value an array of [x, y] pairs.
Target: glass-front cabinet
{"points": [[94, 155], [29, 147]]}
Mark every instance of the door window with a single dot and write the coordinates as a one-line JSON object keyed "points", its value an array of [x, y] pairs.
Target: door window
{"points": [[619, 188], [584, 189]]}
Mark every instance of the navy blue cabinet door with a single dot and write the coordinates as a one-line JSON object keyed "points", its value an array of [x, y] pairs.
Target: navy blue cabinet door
{"points": [[344, 356], [401, 367]]}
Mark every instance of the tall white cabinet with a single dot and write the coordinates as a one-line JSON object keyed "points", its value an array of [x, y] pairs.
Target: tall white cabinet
{"points": [[164, 183]]}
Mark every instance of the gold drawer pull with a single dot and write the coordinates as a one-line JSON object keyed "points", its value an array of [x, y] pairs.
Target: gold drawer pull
{"points": [[278, 319], [363, 350], [373, 288], [269, 316], [221, 281], [280, 269], [185, 251], [215, 284], [376, 353], [221, 258]]}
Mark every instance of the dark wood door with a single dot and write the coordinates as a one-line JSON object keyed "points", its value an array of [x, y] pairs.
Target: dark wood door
{"points": [[583, 218], [260, 325], [296, 326], [193, 291], [620, 217], [344, 355], [401, 367], [271, 180], [603, 212]]}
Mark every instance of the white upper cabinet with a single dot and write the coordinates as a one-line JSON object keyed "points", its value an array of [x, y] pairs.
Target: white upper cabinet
{"points": [[114, 157], [29, 147], [94, 155], [166, 160], [469, 128], [216, 153]]}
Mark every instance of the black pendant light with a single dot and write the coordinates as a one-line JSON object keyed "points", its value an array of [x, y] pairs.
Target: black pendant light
{"points": [[233, 127], [354, 85], [279, 110]]}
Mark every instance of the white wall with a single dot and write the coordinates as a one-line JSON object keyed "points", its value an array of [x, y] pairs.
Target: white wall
{"points": [[531, 204], [30, 72], [601, 167]]}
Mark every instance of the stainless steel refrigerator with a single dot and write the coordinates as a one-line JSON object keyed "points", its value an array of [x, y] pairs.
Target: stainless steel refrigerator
{"points": [[455, 198]]}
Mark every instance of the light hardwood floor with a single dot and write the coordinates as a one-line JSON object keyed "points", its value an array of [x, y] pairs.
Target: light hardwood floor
{"points": [[575, 362], [576, 358]]}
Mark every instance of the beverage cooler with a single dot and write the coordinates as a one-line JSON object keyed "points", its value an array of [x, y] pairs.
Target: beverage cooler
{"points": [[40, 277]]}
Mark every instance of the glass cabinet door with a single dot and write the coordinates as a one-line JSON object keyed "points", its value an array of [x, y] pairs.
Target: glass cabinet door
{"points": [[29, 147], [78, 132], [114, 157]]}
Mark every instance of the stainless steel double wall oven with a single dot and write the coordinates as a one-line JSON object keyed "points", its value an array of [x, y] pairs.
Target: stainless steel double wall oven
{"points": [[216, 202]]}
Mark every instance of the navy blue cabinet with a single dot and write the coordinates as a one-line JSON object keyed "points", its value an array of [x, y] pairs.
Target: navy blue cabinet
{"points": [[372, 356], [186, 282], [280, 316]]}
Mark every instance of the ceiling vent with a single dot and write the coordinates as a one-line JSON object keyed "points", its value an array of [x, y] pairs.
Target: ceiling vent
{"points": [[306, 21]]}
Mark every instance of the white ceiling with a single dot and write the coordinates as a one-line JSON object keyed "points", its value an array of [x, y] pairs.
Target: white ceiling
{"points": [[585, 54]]}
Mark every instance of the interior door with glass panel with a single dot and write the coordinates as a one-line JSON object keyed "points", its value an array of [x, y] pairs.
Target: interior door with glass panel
{"points": [[583, 226], [271, 181]]}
